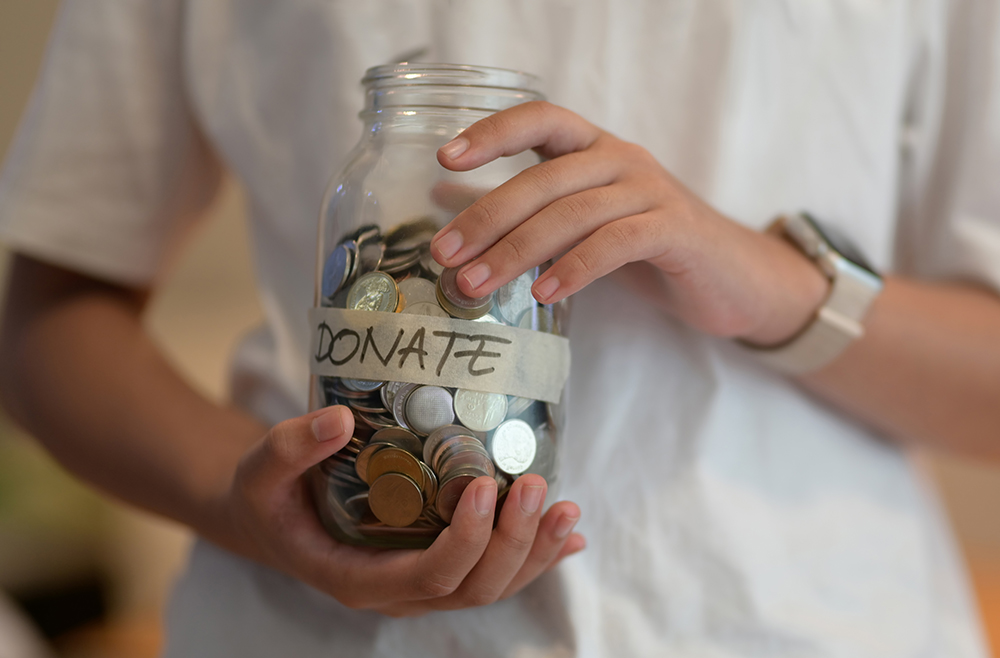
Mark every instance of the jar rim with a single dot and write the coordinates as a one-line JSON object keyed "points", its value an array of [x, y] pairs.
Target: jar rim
{"points": [[458, 75]]}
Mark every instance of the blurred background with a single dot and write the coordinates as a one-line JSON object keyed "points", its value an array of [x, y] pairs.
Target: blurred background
{"points": [[90, 577]]}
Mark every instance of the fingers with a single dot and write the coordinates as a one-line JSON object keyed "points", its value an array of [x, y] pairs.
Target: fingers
{"points": [[498, 212], [552, 544], [552, 231], [623, 241], [547, 128], [508, 548], [368, 578], [293, 446]]}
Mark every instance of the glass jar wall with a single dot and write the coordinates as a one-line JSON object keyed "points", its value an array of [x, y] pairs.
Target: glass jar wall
{"points": [[443, 388]]}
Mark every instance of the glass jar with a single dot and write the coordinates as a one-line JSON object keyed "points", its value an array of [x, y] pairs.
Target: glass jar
{"points": [[443, 388]]}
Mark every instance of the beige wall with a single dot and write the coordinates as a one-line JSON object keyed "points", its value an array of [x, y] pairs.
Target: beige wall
{"points": [[209, 301]]}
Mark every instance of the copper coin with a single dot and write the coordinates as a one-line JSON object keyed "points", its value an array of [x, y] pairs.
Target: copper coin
{"points": [[396, 500], [394, 460], [450, 493], [400, 438]]}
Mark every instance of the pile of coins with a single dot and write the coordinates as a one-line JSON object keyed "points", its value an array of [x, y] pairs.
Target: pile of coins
{"points": [[416, 448]]}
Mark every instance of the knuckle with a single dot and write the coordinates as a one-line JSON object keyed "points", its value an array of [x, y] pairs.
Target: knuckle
{"points": [[479, 596], [544, 177], [516, 542], [434, 584], [582, 261], [517, 248], [280, 443], [487, 213]]}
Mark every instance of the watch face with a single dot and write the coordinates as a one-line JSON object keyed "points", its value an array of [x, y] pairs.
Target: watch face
{"points": [[841, 243]]}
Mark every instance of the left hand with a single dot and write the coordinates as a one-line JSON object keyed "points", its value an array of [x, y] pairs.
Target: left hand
{"points": [[608, 203]]}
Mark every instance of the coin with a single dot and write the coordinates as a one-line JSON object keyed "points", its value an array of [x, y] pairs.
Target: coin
{"points": [[336, 270], [456, 302], [513, 446], [398, 263], [370, 252], [514, 298], [375, 291], [411, 235], [450, 447], [400, 438], [479, 411], [516, 405], [544, 463], [361, 463], [430, 266], [450, 493], [439, 436], [394, 460], [426, 308], [464, 459], [361, 385], [537, 319], [399, 404], [430, 484], [428, 408], [357, 505], [417, 290], [396, 499], [388, 393]]}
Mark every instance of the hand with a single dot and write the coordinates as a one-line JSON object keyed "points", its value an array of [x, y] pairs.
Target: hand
{"points": [[607, 203], [272, 519]]}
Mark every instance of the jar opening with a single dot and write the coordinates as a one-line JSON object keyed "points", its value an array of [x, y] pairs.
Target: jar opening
{"points": [[448, 85]]}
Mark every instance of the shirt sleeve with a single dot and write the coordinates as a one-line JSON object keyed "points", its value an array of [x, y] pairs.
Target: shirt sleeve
{"points": [[108, 166]]}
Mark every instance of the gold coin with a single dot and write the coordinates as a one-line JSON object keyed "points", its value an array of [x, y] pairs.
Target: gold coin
{"points": [[375, 291], [361, 461], [396, 500], [394, 460]]}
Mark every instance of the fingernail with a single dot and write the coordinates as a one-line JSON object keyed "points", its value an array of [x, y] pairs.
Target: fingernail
{"points": [[477, 275], [486, 498], [565, 525], [329, 425], [455, 148], [531, 498], [546, 288], [449, 243]]}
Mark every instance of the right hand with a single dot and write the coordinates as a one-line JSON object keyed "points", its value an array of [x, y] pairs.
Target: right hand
{"points": [[270, 513]]}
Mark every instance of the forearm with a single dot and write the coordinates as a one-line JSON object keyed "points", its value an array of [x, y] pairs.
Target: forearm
{"points": [[927, 369], [84, 378]]}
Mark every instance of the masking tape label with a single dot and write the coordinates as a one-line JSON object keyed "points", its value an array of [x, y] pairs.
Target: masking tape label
{"points": [[423, 349]]}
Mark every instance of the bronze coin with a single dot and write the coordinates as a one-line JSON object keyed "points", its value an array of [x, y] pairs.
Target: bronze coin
{"points": [[394, 460], [396, 500]]}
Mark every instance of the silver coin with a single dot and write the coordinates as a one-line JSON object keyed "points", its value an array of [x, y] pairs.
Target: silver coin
{"points": [[431, 266], [426, 308], [545, 461], [370, 253], [388, 393], [375, 291], [537, 318], [416, 290], [514, 299], [399, 404], [428, 408], [513, 446], [411, 235], [516, 405], [479, 411], [361, 385], [336, 270]]}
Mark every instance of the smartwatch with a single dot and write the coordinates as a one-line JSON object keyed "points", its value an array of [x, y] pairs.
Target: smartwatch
{"points": [[854, 285]]}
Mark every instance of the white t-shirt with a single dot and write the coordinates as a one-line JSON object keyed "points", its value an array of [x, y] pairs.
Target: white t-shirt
{"points": [[728, 513]]}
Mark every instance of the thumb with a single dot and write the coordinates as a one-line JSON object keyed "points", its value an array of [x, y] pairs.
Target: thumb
{"points": [[291, 447]]}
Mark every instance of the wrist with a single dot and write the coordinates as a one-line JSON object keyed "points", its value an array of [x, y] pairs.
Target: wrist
{"points": [[793, 288]]}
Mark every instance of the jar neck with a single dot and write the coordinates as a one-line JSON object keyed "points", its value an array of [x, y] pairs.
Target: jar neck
{"points": [[424, 89]]}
